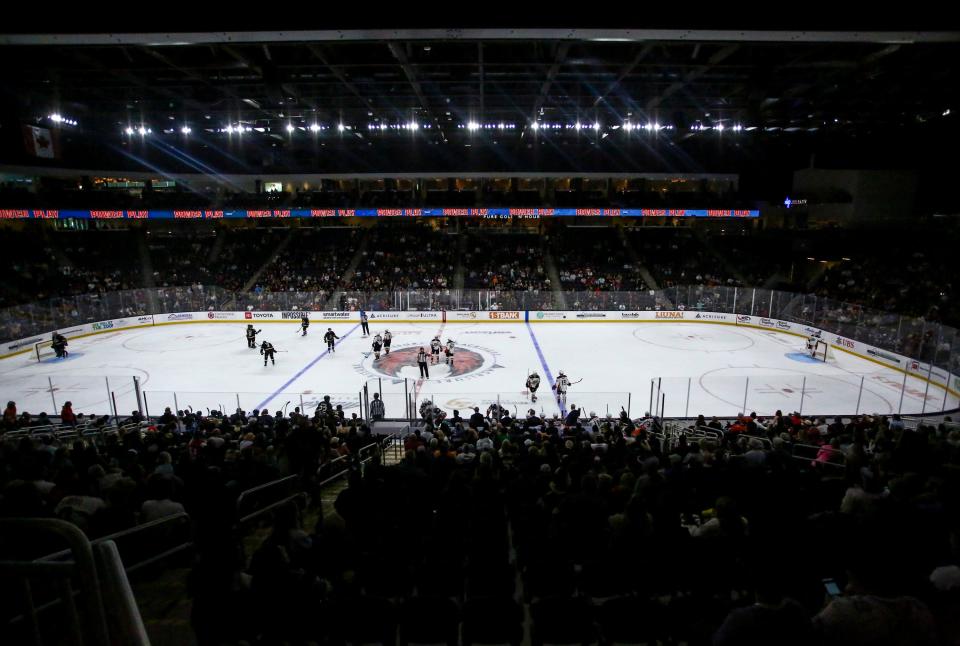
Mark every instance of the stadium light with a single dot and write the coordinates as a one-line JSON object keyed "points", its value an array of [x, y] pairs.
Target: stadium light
{"points": [[290, 127], [56, 118], [229, 129], [185, 130], [341, 127], [128, 130], [472, 126], [314, 127], [596, 125], [143, 131], [627, 126], [413, 125], [719, 127], [578, 125], [535, 126]]}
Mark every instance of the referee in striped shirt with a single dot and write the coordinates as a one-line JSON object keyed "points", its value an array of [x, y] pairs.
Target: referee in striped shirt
{"points": [[422, 362]]}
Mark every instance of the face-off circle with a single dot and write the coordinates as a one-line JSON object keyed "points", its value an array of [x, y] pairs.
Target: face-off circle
{"points": [[468, 362]]}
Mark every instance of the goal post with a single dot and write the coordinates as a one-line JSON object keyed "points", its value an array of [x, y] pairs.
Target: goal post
{"points": [[43, 350], [820, 350]]}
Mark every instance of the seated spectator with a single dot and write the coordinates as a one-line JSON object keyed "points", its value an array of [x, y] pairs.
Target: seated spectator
{"points": [[159, 502]]}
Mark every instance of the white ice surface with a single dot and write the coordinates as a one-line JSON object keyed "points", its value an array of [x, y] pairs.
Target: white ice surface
{"points": [[209, 366]]}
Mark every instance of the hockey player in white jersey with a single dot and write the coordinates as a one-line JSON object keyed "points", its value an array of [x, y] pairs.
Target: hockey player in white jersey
{"points": [[533, 382], [812, 342], [562, 384], [450, 347], [387, 340], [377, 346], [435, 346]]}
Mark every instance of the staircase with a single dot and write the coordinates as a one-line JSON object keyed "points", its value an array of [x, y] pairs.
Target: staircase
{"points": [[725, 263], [273, 257], [459, 270], [637, 261], [560, 299], [146, 264], [333, 303]]}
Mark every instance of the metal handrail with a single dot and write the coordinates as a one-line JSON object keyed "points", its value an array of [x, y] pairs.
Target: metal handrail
{"points": [[274, 505], [267, 485], [124, 618], [179, 516], [83, 569]]}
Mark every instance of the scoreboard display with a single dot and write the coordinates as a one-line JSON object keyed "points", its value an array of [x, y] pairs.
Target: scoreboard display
{"points": [[218, 214]]}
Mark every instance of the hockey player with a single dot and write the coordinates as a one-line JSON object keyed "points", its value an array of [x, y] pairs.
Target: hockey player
{"points": [[812, 342], [267, 350], [435, 346], [252, 336], [329, 337], [422, 363], [563, 382], [495, 411], [426, 410], [324, 408], [377, 345], [59, 345], [450, 352], [304, 324], [364, 324], [533, 382], [387, 338]]}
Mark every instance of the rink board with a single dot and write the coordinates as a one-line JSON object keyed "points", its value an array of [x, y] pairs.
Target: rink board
{"points": [[700, 365]]}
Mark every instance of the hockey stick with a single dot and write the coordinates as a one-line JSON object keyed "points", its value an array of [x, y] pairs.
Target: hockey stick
{"points": [[577, 381], [285, 408]]}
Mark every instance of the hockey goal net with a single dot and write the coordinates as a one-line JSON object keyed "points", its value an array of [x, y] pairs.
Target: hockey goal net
{"points": [[820, 350], [43, 350]]}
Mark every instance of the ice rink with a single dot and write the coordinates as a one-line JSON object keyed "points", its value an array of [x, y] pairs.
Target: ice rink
{"points": [[695, 368]]}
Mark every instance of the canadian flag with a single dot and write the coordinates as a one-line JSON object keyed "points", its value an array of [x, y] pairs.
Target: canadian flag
{"points": [[40, 142]]}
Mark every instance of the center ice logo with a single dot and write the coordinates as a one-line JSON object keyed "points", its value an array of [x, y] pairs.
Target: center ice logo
{"points": [[468, 362]]}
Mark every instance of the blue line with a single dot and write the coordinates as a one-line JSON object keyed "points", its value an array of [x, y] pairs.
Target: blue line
{"points": [[546, 368], [304, 369]]}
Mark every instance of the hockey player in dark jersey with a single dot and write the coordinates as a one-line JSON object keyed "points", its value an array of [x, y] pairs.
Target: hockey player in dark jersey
{"points": [[435, 346], [267, 350], [533, 382], [252, 336], [59, 345], [330, 337], [304, 324], [377, 346], [387, 339]]}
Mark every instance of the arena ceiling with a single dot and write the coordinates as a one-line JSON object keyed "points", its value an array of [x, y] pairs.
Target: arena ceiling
{"points": [[383, 86]]}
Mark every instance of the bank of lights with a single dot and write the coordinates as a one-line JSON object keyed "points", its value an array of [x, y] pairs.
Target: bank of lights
{"points": [[56, 117]]}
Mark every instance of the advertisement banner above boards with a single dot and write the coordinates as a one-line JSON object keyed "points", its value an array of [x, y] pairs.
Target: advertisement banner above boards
{"points": [[661, 316], [220, 214]]}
